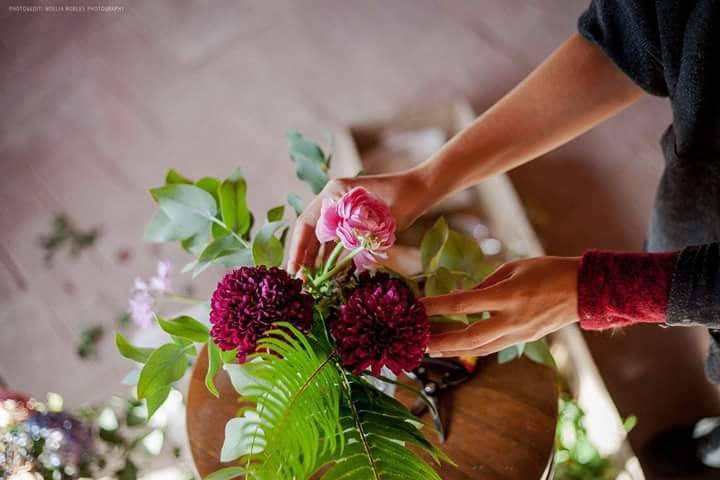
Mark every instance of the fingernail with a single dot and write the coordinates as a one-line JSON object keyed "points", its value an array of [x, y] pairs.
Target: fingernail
{"points": [[435, 354]]}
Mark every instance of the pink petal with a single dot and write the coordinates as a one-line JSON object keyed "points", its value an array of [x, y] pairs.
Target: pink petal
{"points": [[326, 227], [363, 260]]}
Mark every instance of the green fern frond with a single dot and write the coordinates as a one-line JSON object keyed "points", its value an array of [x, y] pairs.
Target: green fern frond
{"points": [[294, 384], [377, 430]]}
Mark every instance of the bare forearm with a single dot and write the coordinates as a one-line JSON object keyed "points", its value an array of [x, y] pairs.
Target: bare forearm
{"points": [[576, 88]]}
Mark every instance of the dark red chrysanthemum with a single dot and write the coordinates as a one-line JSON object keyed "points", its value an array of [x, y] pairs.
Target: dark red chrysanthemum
{"points": [[246, 303], [382, 324]]}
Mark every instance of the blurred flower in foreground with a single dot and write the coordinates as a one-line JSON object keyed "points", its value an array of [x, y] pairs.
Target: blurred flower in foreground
{"points": [[145, 293]]}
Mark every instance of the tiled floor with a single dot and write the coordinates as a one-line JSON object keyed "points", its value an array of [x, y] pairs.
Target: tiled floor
{"points": [[95, 106]]}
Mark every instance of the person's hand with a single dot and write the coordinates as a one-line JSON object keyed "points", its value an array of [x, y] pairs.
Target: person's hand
{"points": [[527, 299], [403, 192]]}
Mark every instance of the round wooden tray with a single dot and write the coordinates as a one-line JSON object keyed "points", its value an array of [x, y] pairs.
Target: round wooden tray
{"points": [[501, 427]]}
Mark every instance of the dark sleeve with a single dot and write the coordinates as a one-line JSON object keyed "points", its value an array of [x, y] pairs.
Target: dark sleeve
{"points": [[695, 287], [627, 32]]}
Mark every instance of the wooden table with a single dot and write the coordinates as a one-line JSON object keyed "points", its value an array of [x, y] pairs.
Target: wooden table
{"points": [[502, 425]]}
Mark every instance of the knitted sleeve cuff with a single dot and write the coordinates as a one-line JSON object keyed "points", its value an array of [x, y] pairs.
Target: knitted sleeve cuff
{"points": [[620, 289]]}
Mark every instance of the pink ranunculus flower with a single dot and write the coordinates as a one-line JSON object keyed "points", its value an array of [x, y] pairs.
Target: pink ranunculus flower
{"points": [[359, 219]]}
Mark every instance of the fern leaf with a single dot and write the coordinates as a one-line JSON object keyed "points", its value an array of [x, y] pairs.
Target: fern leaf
{"points": [[377, 431], [294, 386]]}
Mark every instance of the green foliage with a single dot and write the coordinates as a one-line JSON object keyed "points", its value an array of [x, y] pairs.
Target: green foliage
{"points": [[209, 218], [163, 367], [576, 458], [311, 163], [185, 327], [267, 249], [233, 203], [296, 203], [378, 429], [214, 362], [130, 351], [293, 385]]}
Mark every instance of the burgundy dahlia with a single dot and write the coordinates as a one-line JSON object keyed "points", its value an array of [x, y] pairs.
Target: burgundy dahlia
{"points": [[248, 300], [382, 324]]}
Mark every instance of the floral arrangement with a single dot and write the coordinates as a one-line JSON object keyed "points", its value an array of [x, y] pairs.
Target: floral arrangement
{"points": [[302, 354]]}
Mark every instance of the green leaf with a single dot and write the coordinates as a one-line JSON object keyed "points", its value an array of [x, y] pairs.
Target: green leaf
{"points": [[311, 164], [629, 423], [461, 253], [185, 327], [276, 214], [163, 229], [539, 352], [508, 354], [296, 203], [187, 210], [293, 417], [173, 177], [226, 473], [214, 362], [443, 282], [164, 366], [266, 248], [195, 244], [156, 399], [227, 251], [432, 244], [210, 185], [378, 430], [130, 351], [233, 203]]}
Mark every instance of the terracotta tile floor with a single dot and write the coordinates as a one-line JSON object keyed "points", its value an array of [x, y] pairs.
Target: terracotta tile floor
{"points": [[96, 106]]}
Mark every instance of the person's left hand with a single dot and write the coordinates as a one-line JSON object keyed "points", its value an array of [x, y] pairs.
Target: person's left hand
{"points": [[527, 299]]}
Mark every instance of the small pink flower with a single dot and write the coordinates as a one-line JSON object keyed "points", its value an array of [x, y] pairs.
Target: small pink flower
{"points": [[358, 220]]}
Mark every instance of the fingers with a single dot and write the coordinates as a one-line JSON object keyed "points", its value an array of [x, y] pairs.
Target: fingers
{"points": [[304, 246], [471, 338], [488, 349], [467, 301]]}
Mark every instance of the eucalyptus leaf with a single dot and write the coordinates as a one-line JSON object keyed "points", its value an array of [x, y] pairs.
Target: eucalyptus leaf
{"points": [[164, 366], [311, 164], [164, 229], [461, 253], [266, 248], [188, 210], [508, 354], [296, 203], [214, 362], [130, 351], [539, 352], [185, 327], [210, 185]]}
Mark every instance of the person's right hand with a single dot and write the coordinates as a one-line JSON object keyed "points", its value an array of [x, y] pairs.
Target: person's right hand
{"points": [[403, 192]]}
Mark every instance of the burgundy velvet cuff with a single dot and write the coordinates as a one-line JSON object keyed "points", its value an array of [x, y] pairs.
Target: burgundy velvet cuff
{"points": [[620, 289]]}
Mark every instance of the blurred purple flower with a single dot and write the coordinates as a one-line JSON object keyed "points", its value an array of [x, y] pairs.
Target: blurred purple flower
{"points": [[144, 294]]}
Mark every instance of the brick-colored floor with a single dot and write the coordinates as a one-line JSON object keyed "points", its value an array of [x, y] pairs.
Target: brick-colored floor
{"points": [[95, 106]]}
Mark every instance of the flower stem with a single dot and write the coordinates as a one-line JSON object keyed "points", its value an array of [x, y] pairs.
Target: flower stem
{"points": [[342, 264], [333, 257]]}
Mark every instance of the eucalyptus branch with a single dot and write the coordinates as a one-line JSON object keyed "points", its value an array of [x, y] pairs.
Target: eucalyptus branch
{"points": [[237, 237]]}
